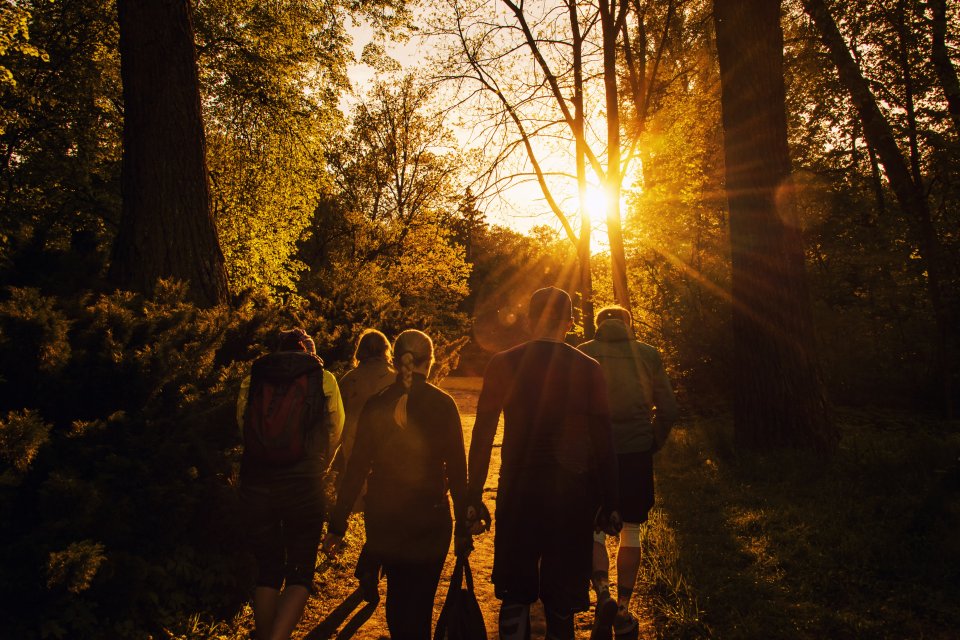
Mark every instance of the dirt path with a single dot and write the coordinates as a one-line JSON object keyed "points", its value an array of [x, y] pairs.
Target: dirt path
{"points": [[336, 611]]}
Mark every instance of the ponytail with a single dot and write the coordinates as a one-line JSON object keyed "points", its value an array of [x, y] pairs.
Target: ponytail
{"points": [[411, 350]]}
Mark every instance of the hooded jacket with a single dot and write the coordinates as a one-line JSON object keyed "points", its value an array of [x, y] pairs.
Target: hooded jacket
{"points": [[642, 405]]}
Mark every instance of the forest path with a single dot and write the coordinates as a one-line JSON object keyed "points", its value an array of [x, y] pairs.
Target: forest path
{"points": [[337, 611]]}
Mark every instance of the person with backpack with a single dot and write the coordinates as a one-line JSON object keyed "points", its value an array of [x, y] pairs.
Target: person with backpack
{"points": [[409, 449], [643, 410], [557, 449], [291, 414]]}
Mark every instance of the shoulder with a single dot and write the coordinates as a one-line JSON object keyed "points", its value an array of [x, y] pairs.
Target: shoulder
{"points": [[329, 380], [438, 397], [645, 350]]}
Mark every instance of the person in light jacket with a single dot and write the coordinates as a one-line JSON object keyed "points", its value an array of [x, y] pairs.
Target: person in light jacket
{"points": [[643, 410]]}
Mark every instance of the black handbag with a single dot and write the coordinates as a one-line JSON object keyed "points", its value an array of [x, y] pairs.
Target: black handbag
{"points": [[461, 618]]}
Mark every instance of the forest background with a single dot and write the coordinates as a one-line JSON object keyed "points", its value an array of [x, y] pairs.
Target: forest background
{"points": [[118, 445]]}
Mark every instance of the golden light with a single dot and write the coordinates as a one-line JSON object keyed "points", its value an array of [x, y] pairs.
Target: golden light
{"points": [[596, 202]]}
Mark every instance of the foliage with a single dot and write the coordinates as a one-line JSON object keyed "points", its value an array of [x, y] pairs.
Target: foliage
{"points": [[60, 147], [381, 251], [15, 38], [272, 74], [118, 455]]}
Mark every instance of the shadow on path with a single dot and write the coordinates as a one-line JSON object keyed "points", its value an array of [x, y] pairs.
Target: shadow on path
{"points": [[328, 628]]}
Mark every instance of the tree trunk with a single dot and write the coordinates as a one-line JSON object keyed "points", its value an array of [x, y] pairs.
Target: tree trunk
{"points": [[778, 396], [586, 230], [618, 260], [909, 194], [166, 227], [946, 73]]}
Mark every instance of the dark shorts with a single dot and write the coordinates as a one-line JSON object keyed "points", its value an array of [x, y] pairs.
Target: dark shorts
{"points": [[284, 526], [636, 485], [543, 544]]}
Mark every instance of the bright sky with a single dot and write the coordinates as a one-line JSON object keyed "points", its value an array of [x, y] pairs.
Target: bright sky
{"points": [[523, 205]]}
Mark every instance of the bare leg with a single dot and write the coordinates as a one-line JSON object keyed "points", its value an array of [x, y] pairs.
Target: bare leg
{"points": [[264, 610], [628, 565], [601, 568], [289, 609]]}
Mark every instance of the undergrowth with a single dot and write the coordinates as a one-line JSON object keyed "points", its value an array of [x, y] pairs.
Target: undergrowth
{"points": [[793, 545]]}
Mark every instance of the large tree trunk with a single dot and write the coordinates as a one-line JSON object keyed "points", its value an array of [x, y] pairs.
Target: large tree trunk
{"points": [[586, 230], [166, 228], [610, 29], [909, 193], [778, 394]]}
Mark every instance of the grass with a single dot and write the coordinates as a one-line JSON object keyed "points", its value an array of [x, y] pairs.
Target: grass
{"points": [[791, 545]]}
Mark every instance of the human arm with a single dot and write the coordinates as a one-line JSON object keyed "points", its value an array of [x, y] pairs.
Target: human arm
{"points": [[243, 397], [455, 462], [358, 468], [601, 440], [489, 406], [335, 413], [665, 402]]}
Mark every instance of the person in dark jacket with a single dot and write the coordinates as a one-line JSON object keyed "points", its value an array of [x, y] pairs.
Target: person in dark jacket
{"points": [[643, 410], [283, 503], [409, 449], [557, 448]]}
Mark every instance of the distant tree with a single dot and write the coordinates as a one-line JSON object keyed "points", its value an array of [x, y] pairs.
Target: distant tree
{"points": [[904, 172], [778, 395], [166, 226]]}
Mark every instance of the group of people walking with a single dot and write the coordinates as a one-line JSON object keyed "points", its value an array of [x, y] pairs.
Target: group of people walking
{"points": [[580, 430]]}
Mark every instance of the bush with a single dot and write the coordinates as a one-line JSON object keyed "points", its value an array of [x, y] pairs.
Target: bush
{"points": [[118, 454]]}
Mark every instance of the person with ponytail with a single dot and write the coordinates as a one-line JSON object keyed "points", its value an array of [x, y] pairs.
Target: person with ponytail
{"points": [[409, 449]]}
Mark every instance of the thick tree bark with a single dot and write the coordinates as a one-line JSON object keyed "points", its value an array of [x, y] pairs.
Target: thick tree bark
{"points": [[946, 72], [166, 228], [778, 393], [908, 192]]}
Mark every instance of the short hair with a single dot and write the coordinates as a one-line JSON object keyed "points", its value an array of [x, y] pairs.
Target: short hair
{"points": [[296, 339], [613, 312], [371, 344], [549, 308]]}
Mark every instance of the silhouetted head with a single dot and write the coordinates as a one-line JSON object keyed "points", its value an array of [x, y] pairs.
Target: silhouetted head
{"points": [[296, 339], [371, 345], [550, 312], [412, 351], [613, 312]]}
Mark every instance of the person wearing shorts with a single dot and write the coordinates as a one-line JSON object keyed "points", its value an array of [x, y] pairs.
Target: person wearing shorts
{"points": [[284, 504], [556, 437], [643, 410]]}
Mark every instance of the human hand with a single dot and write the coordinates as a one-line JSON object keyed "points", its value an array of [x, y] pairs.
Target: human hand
{"points": [[478, 518], [332, 544]]}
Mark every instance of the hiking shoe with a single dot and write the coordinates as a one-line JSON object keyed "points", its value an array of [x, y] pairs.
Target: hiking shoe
{"points": [[603, 616], [624, 624]]}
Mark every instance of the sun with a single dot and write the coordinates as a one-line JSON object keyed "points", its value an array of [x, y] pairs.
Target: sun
{"points": [[596, 203]]}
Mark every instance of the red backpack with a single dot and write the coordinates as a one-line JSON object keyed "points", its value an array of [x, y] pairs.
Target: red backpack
{"points": [[285, 407]]}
